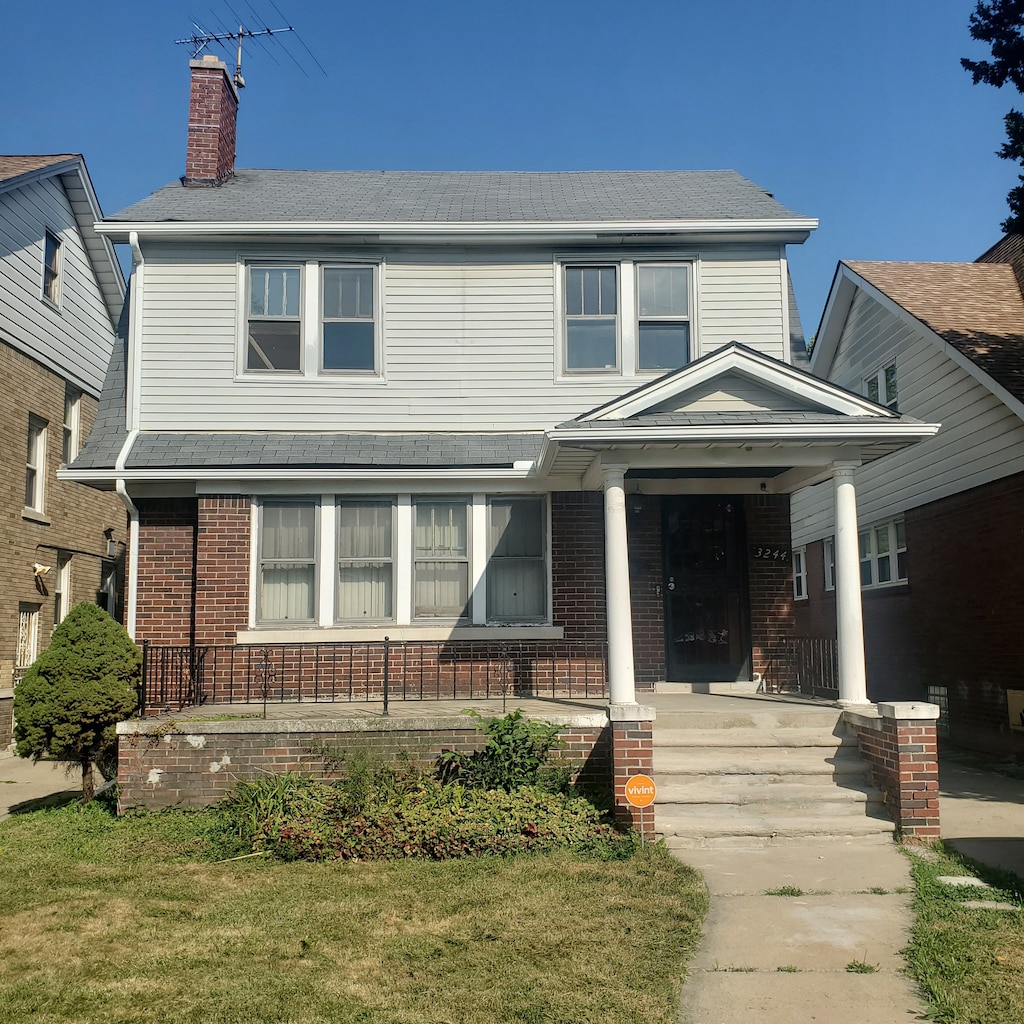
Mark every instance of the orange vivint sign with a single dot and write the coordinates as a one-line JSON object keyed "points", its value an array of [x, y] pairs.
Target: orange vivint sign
{"points": [[640, 790]]}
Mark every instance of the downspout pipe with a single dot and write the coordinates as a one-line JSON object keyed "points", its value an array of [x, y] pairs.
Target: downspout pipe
{"points": [[131, 599]]}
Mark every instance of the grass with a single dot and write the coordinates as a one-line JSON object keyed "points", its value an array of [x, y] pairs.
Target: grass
{"points": [[784, 890], [860, 967], [970, 963], [130, 920]]}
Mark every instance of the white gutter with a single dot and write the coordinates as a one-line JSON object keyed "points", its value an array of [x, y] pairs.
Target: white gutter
{"points": [[133, 371], [419, 229], [750, 433], [276, 472], [131, 599]]}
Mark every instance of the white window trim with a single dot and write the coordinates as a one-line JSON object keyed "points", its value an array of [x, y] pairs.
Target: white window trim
{"points": [[893, 554], [53, 303], [38, 428], [801, 575], [628, 317], [28, 631], [71, 438], [689, 264], [62, 588], [316, 502], [878, 376], [310, 319], [828, 553], [325, 626]]}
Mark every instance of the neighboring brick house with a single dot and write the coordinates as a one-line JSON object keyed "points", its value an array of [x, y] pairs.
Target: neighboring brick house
{"points": [[942, 524], [558, 408], [61, 293]]}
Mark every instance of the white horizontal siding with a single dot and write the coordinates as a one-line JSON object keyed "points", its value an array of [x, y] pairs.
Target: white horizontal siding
{"points": [[469, 339], [743, 298], [980, 441], [75, 340]]}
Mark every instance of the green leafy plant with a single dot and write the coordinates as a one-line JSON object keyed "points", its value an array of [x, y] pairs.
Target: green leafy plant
{"points": [[515, 755], [68, 703], [860, 967], [784, 890]]}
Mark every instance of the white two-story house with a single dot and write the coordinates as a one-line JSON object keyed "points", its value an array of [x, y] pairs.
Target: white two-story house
{"points": [[554, 409]]}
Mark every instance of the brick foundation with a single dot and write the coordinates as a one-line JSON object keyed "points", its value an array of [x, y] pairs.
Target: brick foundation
{"points": [[6, 719], [168, 763], [898, 741]]}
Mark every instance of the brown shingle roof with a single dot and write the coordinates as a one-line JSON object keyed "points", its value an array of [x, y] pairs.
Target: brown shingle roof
{"points": [[13, 166], [975, 307]]}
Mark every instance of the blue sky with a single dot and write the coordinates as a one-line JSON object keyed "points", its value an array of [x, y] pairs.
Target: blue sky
{"points": [[856, 113]]}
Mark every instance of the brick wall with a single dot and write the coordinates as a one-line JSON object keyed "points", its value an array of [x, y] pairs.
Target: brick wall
{"points": [[6, 721], [222, 568], [632, 754], [165, 606], [577, 564], [966, 557], [904, 763], [770, 583], [195, 763], [74, 516]]}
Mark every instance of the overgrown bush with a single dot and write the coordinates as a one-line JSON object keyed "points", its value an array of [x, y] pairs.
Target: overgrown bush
{"points": [[515, 755], [68, 703], [297, 818]]}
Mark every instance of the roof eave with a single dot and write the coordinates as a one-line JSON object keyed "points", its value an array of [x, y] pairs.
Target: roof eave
{"points": [[885, 430]]}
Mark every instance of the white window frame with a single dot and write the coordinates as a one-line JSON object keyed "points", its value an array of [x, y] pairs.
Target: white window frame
{"points": [[27, 648], [871, 558], [246, 318], [543, 558], [641, 318], [72, 434], [35, 465], [800, 574], [62, 587], [828, 552], [445, 499], [361, 500], [878, 379], [564, 317], [108, 587], [403, 560], [52, 272], [627, 328], [376, 319], [298, 501]]}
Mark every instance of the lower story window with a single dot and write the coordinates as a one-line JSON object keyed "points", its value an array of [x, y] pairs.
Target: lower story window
{"points": [[287, 566], [28, 639], [799, 573], [348, 560], [883, 554]]}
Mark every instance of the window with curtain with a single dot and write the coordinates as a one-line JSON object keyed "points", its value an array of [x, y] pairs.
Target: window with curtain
{"points": [[441, 559], [287, 569], [516, 572], [365, 589]]}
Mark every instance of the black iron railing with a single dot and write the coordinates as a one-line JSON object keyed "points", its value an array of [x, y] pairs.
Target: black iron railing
{"points": [[387, 670], [805, 664]]}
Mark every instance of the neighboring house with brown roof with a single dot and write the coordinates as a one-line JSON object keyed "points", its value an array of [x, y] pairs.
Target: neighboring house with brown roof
{"points": [[942, 523], [61, 294]]}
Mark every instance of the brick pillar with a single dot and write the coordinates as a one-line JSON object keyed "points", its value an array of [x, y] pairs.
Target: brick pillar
{"points": [[632, 754], [898, 740]]}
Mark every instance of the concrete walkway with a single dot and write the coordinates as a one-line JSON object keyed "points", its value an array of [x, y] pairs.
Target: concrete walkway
{"points": [[785, 958], [27, 786]]}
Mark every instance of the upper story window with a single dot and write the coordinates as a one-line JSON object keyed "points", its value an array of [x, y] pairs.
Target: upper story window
{"points": [[274, 335], [347, 319], [591, 318], [53, 255], [35, 464], [663, 315], [72, 438], [881, 387]]}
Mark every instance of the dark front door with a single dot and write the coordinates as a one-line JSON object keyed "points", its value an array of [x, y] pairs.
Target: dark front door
{"points": [[707, 629]]}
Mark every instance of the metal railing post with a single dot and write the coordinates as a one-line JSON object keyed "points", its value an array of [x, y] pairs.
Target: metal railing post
{"points": [[387, 667]]}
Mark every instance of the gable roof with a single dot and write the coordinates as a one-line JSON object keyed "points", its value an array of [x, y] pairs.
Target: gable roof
{"points": [[419, 198], [17, 171], [975, 308]]}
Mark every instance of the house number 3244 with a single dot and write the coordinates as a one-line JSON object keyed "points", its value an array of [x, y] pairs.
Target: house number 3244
{"points": [[770, 554]]}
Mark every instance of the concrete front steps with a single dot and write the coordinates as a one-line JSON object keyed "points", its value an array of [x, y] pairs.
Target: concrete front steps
{"points": [[756, 771]]}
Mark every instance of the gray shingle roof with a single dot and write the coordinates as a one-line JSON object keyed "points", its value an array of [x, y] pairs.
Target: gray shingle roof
{"points": [[462, 197], [330, 451]]}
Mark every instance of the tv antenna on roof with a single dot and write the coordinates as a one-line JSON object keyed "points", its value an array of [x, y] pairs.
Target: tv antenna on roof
{"points": [[201, 39]]}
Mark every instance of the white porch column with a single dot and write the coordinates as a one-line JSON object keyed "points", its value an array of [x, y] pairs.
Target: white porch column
{"points": [[621, 684], [849, 613]]}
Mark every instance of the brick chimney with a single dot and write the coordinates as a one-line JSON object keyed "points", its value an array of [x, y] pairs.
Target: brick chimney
{"points": [[212, 113]]}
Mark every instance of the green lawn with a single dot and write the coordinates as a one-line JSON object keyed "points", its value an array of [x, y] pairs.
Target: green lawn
{"points": [[970, 963], [128, 920]]}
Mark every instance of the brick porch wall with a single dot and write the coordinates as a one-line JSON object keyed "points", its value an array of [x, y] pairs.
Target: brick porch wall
{"points": [[197, 763], [901, 749], [166, 587]]}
